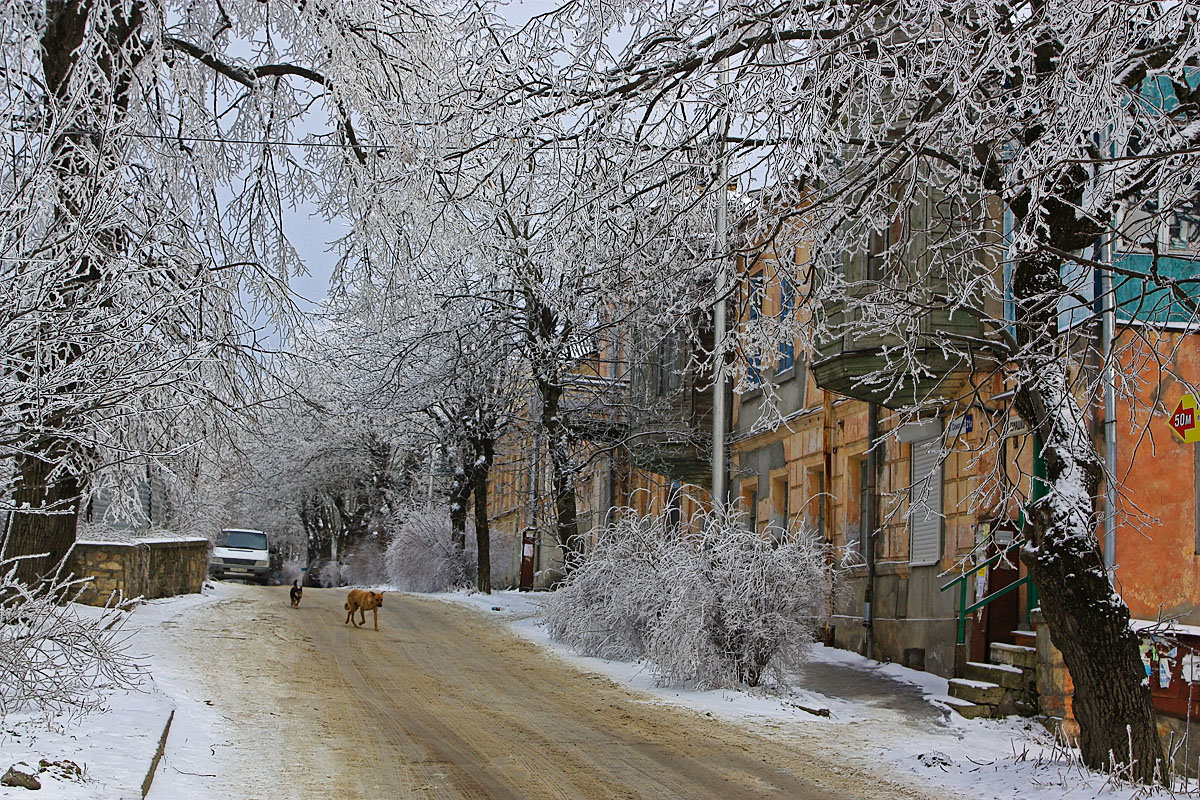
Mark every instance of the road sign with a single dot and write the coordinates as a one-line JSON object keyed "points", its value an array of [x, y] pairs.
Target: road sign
{"points": [[1183, 420]]}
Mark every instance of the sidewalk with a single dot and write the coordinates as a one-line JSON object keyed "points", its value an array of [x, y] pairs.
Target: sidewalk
{"points": [[844, 676], [115, 750]]}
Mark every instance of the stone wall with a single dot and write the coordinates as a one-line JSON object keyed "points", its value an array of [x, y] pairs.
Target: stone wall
{"points": [[147, 568]]}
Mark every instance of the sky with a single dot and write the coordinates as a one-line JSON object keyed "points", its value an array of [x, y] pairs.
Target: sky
{"points": [[311, 234]]}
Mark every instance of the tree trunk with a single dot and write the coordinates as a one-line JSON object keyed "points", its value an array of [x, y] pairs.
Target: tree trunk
{"points": [[50, 524], [460, 493], [48, 484], [1088, 621], [545, 334], [562, 475], [483, 534]]}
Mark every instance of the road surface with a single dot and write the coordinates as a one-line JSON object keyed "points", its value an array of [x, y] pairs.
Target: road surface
{"points": [[444, 703]]}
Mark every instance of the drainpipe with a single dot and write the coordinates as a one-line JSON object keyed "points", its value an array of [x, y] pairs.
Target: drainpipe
{"points": [[827, 501], [1108, 324], [720, 471], [432, 469], [872, 524]]}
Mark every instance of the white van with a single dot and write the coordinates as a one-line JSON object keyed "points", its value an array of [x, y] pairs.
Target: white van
{"points": [[239, 553]]}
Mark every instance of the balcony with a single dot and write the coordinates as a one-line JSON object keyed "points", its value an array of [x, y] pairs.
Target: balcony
{"points": [[596, 406], [874, 366], [928, 347], [671, 404]]}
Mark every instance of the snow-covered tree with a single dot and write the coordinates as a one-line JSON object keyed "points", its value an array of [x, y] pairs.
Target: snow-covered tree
{"points": [[556, 268], [325, 464], [950, 161], [433, 354], [150, 150]]}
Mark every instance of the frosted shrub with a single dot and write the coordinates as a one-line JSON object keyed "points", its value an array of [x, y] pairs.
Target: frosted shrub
{"points": [[364, 566], [421, 557], [720, 606], [55, 656], [605, 608], [291, 571]]}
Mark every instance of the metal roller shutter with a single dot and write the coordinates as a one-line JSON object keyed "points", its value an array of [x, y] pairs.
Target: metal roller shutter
{"points": [[925, 503]]}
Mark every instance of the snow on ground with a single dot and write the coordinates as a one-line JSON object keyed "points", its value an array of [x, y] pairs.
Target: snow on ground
{"points": [[113, 748], [868, 720], [879, 714]]}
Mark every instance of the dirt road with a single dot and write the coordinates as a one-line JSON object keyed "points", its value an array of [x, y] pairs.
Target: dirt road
{"points": [[442, 702]]}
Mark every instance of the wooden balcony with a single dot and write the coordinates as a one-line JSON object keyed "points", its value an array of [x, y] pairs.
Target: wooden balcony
{"points": [[932, 361], [673, 437], [671, 404]]}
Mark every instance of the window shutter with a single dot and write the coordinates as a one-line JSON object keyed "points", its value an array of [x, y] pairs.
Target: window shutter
{"points": [[925, 503]]}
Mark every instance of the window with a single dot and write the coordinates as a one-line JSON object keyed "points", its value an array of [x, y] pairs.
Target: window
{"points": [[244, 540], [925, 501], [754, 368], [787, 307], [1183, 226], [864, 507], [816, 500], [668, 370], [780, 508], [750, 502], [675, 507]]}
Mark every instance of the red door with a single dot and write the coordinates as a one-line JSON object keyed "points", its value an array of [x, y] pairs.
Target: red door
{"points": [[996, 621]]}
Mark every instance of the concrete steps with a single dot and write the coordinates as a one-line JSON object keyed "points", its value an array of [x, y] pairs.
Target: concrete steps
{"points": [[1026, 638], [965, 708], [1009, 677], [978, 692], [1014, 655], [1004, 685]]}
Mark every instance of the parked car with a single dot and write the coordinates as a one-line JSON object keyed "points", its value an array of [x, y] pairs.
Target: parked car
{"points": [[323, 572], [240, 553]]}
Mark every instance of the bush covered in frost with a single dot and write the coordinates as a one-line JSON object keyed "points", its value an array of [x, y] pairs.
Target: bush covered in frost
{"points": [[421, 557], [718, 606], [56, 656], [291, 571], [365, 564]]}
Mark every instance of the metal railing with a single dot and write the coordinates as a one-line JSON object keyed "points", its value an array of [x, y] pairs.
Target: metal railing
{"points": [[964, 609]]}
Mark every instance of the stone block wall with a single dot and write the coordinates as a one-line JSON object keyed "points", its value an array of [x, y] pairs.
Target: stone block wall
{"points": [[1055, 687], [148, 568], [177, 567]]}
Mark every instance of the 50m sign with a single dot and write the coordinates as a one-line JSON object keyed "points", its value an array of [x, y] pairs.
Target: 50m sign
{"points": [[1183, 419]]}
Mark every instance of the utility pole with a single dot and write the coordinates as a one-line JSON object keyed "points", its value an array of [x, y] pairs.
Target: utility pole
{"points": [[432, 470], [720, 470]]}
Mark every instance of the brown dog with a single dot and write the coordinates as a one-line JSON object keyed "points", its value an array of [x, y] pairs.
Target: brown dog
{"points": [[362, 601]]}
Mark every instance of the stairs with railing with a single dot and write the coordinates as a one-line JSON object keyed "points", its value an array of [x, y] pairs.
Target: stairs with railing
{"points": [[1006, 684]]}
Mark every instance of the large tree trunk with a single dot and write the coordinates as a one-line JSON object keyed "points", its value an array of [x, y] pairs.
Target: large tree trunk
{"points": [[49, 484], [1088, 621], [545, 333], [50, 523], [562, 475], [483, 533], [460, 493]]}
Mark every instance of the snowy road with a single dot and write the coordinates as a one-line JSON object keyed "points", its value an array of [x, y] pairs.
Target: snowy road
{"points": [[440, 703]]}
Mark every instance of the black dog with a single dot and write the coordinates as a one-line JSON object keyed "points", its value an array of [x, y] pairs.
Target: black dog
{"points": [[296, 594]]}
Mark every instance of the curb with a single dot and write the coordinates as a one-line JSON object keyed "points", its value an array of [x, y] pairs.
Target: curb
{"points": [[158, 754]]}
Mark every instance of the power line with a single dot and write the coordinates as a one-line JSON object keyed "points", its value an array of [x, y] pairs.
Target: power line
{"points": [[223, 140]]}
